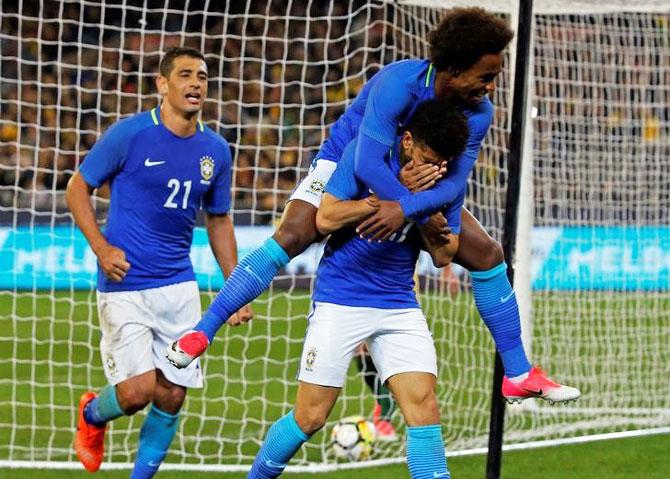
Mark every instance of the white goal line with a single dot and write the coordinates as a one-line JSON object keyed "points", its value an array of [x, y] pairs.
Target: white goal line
{"points": [[317, 468]]}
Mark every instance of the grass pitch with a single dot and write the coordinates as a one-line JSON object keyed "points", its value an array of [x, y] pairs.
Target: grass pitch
{"points": [[49, 356]]}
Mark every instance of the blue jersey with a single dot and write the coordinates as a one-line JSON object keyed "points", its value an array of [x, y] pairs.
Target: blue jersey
{"points": [[355, 272], [386, 103], [158, 182]]}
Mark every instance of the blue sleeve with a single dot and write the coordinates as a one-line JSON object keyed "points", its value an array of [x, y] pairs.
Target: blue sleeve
{"points": [[107, 156], [342, 183], [217, 199], [458, 171], [378, 177], [389, 98], [452, 212]]}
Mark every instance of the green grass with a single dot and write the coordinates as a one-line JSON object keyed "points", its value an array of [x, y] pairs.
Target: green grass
{"points": [[49, 356], [642, 457]]}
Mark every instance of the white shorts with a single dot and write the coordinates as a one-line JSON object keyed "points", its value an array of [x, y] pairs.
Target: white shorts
{"points": [[398, 339], [310, 189], [137, 327]]}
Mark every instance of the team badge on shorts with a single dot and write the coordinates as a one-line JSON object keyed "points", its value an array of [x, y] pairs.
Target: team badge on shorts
{"points": [[309, 361], [206, 169], [316, 187], [111, 365]]}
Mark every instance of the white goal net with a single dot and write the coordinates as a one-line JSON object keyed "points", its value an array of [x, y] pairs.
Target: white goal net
{"points": [[280, 73]]}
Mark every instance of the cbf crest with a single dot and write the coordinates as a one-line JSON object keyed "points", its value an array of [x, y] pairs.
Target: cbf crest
{"points": [[309, 360], [206, 169]]}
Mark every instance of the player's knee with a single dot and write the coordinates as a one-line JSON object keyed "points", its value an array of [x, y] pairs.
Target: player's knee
{"points": [[171, 400], [310, 420], [492, 255], [134, 400], [423, 409], [294, 237]]}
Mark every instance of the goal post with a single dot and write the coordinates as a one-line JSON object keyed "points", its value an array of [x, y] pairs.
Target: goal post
{"points": [[592, 240]]}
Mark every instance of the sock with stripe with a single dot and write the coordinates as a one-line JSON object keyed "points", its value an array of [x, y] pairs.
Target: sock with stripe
{"points": [[496, 302], [425, 452], [157, 432], [248, 280], [282, 441], [103, 408]]}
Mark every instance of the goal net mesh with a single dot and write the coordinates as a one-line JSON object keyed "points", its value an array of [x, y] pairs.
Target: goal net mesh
{"points": [[280, 74]]}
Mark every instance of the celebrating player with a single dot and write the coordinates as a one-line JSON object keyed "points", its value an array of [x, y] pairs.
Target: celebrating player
{"points": [[162, 165], [466, 57], [364, 291]]}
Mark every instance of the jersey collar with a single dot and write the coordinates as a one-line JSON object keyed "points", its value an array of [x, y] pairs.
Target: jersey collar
{"points": [[429, 82], [156, 118]]}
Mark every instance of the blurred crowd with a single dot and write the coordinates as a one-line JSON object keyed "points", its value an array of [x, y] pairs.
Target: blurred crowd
{"points": [[281, 73], [278, 78]]}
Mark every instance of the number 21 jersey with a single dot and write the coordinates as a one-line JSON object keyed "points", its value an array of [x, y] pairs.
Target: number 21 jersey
{"points": [[158, 181]]}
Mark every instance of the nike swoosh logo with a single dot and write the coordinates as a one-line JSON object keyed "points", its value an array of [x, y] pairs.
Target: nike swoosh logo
{"points": [[504, 299], [538, 392], [153, 464], [249, 270], [271, 463], [441, 474], [148, 162]]}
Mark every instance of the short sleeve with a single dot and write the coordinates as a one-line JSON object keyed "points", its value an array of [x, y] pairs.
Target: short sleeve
{"points": [[217, 199], [108, 155], [343, 184]]}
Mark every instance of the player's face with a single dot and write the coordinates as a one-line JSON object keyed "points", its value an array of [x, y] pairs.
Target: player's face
{"points": [[469, 86], [418, 152], [186, 87]]}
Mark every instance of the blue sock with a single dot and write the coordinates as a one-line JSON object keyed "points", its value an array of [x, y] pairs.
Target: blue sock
{"points": [[249, 279], [156, 435], [103, 408], [498, 308], [282, 441], [425, 452]]}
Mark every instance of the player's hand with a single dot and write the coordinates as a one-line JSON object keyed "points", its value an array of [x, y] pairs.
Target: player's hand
{"points": [[383, 223], [113, 262], [243, 315], [436, 230], [421, 177], [373, 202]]}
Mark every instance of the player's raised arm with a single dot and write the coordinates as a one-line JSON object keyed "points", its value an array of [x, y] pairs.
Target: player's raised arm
{"points": [[448, 188], [388, 100], [440, 140], [466, 55], [335, 213], [345, 200]]}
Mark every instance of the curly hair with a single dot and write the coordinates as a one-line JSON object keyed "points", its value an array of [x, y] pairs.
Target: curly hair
{"points": [[167, 62], [464, 35], [441, 126]]}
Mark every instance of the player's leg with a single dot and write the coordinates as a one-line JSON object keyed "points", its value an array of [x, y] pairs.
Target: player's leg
{"points": [[384, 403], [494, 296], [125, 348], [405, 355], [332, 336], [312, 407], [296, 231], [159, 427], [415, 393], [498, 308], [175, 308]]}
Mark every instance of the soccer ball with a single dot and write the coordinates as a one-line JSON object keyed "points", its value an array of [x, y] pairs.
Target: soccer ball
{"points": [[353, 438]]}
